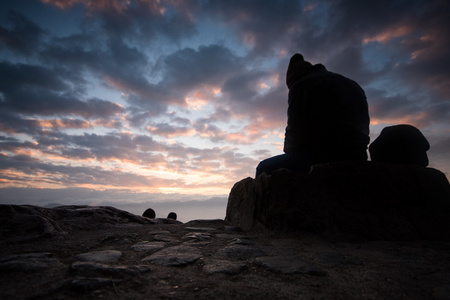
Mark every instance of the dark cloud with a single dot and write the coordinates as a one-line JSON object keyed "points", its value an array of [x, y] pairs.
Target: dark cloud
{"points": [[37, 90], [260, 24], [20, 34], [188, 68]]}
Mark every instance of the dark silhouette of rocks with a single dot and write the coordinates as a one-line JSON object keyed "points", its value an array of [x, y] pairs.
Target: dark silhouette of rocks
{"points": [[347, 201], [403, 144], [82, 252], [172, 216], [32, 222], [149, 213]]}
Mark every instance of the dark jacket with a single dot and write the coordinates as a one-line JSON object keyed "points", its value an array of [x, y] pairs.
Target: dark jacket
{"points": [[328, 117]]}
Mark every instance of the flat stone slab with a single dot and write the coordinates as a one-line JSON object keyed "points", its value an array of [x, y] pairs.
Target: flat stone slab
{"points": [[148, 246], [29, 262], [223, 266], [165, 238], [100, 256], [174, 256], [97, 269], [198, 236], [238, 251]]}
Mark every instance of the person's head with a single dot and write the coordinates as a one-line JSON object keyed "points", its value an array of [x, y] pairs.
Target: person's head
{"points": [[296, 69], [403, 144]]}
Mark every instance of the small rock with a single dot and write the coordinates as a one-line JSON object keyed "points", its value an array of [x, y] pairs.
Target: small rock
{"points": [[149, 213], [100, 256]]}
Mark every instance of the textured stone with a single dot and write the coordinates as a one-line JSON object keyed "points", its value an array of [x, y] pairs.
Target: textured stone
{"points": [[165, 238], [174, 256], [347, 201], [82, 284], [289, 265], [30, 262], [223, 266], [93, 269], [240, 252], [26, 222], [198, 236], [148, 246], [100, 256], [230, 265]]}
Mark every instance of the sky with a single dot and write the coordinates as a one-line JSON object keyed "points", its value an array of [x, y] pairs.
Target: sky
{"points": [[180, 99]]}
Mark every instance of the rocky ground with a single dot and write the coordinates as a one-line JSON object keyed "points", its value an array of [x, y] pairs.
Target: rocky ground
{"points": [[80, 252]]}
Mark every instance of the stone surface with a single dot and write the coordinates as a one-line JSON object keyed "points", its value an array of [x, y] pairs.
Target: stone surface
{"points": [[148, 246], [223, 266], [347, 201], [98, 269], [289, 265], [174, 256], [229, 264], [100, 256]]}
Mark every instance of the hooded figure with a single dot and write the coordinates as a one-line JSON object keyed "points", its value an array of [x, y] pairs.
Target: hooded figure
{"points": [[327, 119]]}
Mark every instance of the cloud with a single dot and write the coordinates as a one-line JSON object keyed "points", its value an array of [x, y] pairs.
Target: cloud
{"points": [[23, 35], [37, 90]]}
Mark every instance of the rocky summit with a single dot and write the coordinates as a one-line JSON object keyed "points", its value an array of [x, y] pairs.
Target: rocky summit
{"points": [[347, 201], [87, 252]]}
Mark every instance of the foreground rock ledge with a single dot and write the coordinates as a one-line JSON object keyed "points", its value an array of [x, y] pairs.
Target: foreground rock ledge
{"points": [[347, 201], [81, 252]]}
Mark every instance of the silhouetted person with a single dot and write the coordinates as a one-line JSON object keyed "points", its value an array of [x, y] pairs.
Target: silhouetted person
{"points": [[149, 213], [403, 144], [172, 215], [328, 119]]}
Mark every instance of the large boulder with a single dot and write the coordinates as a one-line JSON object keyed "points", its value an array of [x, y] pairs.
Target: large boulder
{"points": [[347, 201]]}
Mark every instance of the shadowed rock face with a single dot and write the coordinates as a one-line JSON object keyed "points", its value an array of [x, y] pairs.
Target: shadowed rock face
{"points": [[31, 222], [347, 201]]}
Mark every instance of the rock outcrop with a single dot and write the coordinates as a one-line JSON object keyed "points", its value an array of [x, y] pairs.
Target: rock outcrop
{"points": [[347, 201], [81, 252]]}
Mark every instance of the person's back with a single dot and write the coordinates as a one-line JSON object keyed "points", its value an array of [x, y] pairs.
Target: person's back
{"points": [[328, 118]]}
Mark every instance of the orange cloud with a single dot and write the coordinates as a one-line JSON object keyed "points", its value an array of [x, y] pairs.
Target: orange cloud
{"points": [[417, 119], [388, 34]]}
